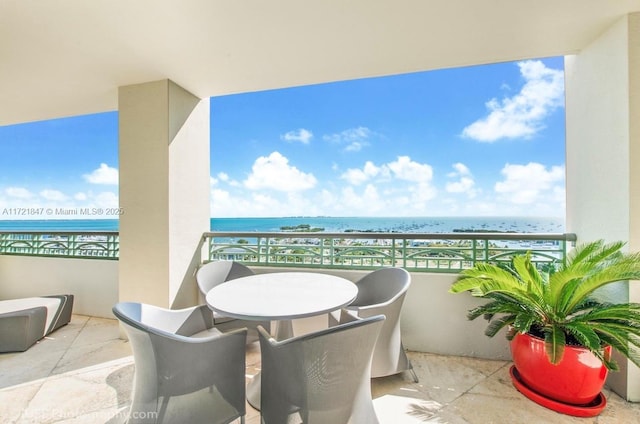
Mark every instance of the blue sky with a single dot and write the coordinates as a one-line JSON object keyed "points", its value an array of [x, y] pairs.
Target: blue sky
{"points": [[475, 141]]}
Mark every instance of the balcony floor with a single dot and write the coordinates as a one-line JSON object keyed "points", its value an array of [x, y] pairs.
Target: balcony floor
{"points": [[83, 372]]}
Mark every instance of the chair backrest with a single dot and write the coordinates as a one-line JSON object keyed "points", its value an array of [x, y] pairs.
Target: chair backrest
{"points": [[180, 378], [383, 292], [154, 319], [323, 376], [382, 286], [217, 272]]}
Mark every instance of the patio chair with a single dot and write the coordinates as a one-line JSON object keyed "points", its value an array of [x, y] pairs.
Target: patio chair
{"points": [[382, 292], [186, 371], [214, 273], [320, 377]]}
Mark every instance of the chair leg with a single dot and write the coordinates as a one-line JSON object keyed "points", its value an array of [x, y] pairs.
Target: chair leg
{"points": [[415, 376], [163, 409]]}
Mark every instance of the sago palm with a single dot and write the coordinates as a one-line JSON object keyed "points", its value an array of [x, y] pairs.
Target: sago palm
{"points": [[560, 305]]}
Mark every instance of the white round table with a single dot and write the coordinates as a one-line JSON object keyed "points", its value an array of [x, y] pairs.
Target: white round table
{"points": [[280, 296]]}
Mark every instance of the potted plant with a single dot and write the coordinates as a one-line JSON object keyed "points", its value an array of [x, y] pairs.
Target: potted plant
{"points": [[561, 333]]}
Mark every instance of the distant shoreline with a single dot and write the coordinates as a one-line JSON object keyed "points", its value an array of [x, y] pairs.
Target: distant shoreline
{"points": [[327, 224]]}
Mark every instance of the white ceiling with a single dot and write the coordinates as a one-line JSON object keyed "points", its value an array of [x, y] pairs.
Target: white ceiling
{"points": [[67, 57]]}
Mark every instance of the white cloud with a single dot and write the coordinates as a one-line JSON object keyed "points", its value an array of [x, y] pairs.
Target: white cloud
{"points": [[354, 139], [366, 203], [53, 195], [301, 135], [103, 175], [355, 146], [274, 172], [399, 188], [18, 192], [521, 115], [403, 169], [106, 199], [464, 185], [460, 170], [465, 182], [356, 176], [531, 183], [406, 169]]}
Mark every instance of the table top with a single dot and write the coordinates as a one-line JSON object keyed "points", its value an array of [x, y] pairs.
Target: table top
{"points": [[281, 295]]}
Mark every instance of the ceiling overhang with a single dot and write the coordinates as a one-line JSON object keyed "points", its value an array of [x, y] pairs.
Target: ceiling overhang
{"points": [[68, 57]]}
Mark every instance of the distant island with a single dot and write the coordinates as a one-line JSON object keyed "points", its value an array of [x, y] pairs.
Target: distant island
{"points": [[473, 230], [351, 230], [302, 228]]}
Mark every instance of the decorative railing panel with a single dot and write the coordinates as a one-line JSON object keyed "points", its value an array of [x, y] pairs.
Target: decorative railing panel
{"points": [[93, 245], [451, 252], [438, 252]]}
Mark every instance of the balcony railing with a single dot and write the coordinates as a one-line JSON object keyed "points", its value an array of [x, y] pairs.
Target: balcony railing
{"points": [[434, 252], [68, 244]]}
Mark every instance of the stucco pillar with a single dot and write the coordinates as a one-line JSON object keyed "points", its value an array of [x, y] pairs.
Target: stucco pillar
{"points": [[603, 155], [164, 192]]}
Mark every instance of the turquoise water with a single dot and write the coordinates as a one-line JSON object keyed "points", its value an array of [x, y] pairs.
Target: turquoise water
{"points": [[330, 224]]}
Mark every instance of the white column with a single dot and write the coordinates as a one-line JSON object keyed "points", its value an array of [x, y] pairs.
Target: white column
{"points": [[603, 154], [164, 192]]}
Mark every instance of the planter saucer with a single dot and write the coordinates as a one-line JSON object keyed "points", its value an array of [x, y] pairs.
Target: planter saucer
{"points": [[590, 410]]}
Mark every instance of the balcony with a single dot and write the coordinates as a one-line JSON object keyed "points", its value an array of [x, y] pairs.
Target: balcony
{"points": [[104, 72], [464, 377], [83, 372]]}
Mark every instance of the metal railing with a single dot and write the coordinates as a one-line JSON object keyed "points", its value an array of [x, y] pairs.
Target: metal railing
{"points": [[67, 244], [433, 252]]}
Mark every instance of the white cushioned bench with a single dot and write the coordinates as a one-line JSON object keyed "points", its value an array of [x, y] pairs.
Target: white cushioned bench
{"points": [[25, 321]]}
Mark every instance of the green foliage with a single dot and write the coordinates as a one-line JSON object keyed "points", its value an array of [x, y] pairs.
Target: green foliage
{"points": [[559, 303]]}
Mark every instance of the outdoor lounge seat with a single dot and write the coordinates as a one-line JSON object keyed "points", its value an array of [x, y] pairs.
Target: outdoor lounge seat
{"points": [[214, 273], [382, 292], [320, 377], [186, 371], [25, 321]]}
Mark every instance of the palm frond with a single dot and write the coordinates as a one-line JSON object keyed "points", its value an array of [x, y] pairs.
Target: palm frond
{"points": [[523, 322], [489, 309], [474, 279], [585, 334], [618, 339], [624, 312], [563, 282], [529, 274], [595, 252], [620, 271], [554, 343], [496, 325]]}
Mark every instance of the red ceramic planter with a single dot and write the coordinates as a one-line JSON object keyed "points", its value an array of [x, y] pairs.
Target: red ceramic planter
{"points": [[577, 380]]}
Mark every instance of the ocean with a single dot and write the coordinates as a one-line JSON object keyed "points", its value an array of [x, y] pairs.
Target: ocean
{"points": [[329, 224]]}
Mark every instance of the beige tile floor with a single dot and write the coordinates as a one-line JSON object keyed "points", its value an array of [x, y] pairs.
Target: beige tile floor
{"points": [[83, 372]]}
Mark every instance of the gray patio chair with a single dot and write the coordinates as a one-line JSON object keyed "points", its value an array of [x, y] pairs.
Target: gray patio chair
{"points": [[186, 371], [382, 292], [214, 273], [321, 377]]}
